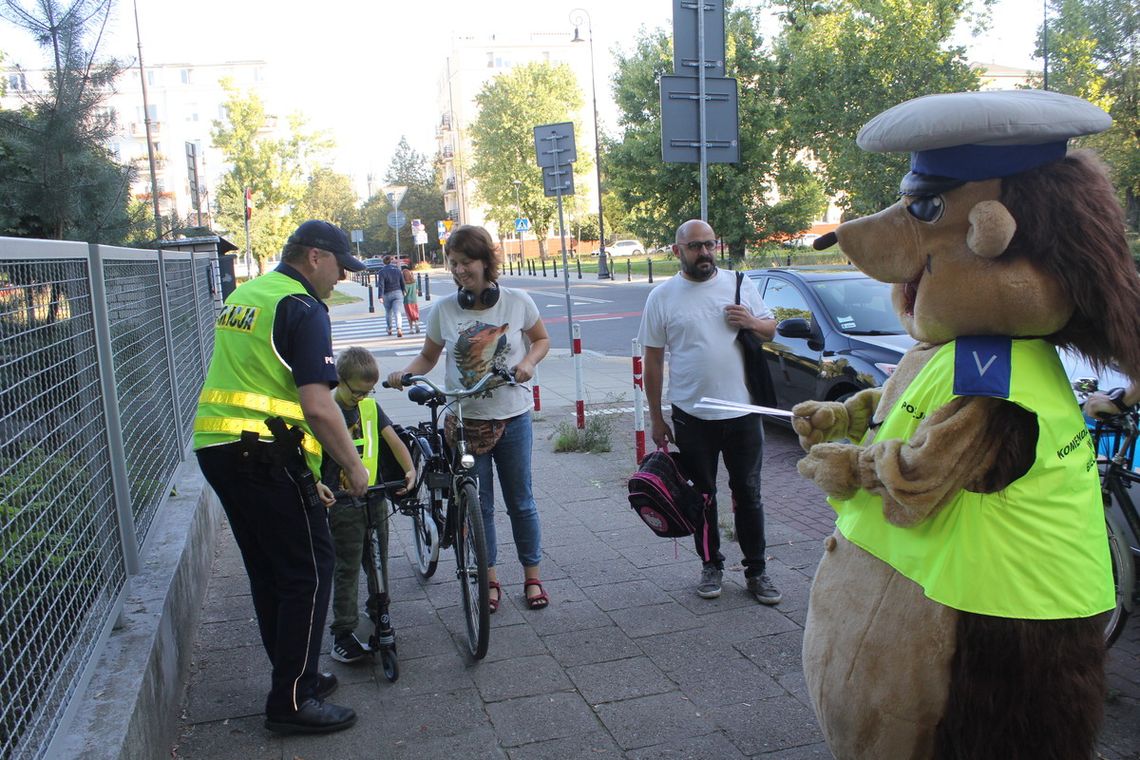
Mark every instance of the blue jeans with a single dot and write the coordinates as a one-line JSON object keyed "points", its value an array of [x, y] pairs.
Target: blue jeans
{"points": [[740, 441], [393, 305], [512, 461]]}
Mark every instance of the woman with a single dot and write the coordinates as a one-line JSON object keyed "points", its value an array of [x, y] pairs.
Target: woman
{"points": [[411, 300], [484, 326]]}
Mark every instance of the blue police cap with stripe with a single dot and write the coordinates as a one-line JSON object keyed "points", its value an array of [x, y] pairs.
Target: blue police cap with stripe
{"points": [[970, 136]]}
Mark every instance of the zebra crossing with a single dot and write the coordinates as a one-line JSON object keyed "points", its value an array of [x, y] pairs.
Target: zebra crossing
{"points": [[372, 332]]}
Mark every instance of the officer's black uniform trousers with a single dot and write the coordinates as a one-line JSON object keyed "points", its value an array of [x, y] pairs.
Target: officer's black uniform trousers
{"points": [[288, 555]]}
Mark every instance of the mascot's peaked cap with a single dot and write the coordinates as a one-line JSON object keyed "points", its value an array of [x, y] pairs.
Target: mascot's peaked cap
{"points": [[970, 136]]}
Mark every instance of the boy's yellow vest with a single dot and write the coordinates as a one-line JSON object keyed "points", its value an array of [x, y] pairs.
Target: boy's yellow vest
{"points": [[1035, 550], [247, 380], [368, 443]]}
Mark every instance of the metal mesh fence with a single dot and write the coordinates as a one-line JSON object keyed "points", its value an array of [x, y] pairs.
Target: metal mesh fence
{"points": [[61, 542], [142, 381], [187, 285]]}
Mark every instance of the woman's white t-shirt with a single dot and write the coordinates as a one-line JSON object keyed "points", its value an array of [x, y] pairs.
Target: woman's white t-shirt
{"points": [[477, 341]]}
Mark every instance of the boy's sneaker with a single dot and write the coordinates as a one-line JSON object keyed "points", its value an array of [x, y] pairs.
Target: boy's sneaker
{"points": [[709, 587], [763, 589], [347, 648]]}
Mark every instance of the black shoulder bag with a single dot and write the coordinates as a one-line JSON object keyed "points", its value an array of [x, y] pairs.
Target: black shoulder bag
{"points": [[756, 374]]}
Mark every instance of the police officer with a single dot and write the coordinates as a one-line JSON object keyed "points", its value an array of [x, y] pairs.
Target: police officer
{"points": [[273, 357]]}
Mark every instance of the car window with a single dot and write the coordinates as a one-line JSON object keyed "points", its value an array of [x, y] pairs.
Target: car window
{"points": [[859, 306], [785, 301]]}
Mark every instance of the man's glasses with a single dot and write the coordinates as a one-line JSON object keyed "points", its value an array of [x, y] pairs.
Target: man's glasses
{"points": [[355, 393], [696, 245]]}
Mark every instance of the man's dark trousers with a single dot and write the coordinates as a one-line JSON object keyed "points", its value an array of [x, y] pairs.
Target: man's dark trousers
{"points": [[288, 555], [741, 441]]}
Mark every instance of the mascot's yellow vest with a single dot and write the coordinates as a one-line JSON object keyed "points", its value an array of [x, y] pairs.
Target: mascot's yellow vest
{"points": [[247, 381], [1037, 549]]}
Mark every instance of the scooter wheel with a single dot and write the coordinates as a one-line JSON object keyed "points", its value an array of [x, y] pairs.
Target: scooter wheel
{"points": [[390, 664]]}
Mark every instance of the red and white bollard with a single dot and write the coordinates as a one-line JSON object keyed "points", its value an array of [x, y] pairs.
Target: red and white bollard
{"points": [[534, 390], [579, 396], [638, 403]]}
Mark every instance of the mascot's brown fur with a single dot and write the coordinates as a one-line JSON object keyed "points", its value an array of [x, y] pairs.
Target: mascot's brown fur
{"points": [[892, 673]]}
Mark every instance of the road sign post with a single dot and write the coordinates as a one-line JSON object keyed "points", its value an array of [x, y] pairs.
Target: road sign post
{"points": [[698, 28], [555, 153], [396, 220]]}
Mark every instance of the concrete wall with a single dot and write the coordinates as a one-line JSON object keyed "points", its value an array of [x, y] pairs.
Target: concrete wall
{"points": [[130, 706]]}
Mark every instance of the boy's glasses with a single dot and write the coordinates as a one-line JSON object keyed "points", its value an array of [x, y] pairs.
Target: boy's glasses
{"points": [[355, 393]]}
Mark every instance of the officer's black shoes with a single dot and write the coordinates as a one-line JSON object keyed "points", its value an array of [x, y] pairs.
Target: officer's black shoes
{"points": [[314, 717], [326, 685]]}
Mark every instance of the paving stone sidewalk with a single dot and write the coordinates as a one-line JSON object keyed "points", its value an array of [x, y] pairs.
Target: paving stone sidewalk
{"points": [[626, 663]]}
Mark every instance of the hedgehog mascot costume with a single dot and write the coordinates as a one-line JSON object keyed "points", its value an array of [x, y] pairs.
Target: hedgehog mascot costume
{"points": [[957, 610]]}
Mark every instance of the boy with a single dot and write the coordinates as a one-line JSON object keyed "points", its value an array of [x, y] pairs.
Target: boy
{"points": [[358, 374]]}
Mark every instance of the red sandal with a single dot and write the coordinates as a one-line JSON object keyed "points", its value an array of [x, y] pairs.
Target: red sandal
{"points": [[539, 600], [493, 601]]}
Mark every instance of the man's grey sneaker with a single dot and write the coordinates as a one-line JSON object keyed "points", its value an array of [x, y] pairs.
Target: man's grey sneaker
{"points": [[347, 648], [709, 587], [764, 590]]}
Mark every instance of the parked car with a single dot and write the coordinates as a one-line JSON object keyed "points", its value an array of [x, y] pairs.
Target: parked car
{"points": [[625, 248], [837, 332], [803, 241]]}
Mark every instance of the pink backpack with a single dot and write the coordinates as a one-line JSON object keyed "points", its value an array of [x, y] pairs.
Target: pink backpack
{"points": [[664, 498]]}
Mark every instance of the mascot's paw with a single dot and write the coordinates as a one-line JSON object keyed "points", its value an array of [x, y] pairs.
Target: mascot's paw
{"points": [[832, 466], [819, 421]]}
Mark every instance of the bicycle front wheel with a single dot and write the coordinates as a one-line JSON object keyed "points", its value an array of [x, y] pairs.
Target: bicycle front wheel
{"points": [[471, 569], [1123, 579], [425, 539]]}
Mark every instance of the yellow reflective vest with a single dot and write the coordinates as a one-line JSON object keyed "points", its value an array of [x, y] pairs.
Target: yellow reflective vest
{"points": [[247, 381], [368, 445], [1035, 550]]}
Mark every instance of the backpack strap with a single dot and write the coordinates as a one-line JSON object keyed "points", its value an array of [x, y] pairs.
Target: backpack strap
{"points": [[739, 279]]}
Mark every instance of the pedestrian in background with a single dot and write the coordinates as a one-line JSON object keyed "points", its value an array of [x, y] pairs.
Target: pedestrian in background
{"points": [[694, 316], [411, 300], [392, 288], [484, 326], [273, 351]]}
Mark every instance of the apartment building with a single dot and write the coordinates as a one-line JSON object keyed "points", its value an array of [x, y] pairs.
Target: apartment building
{"points": [[183, 101], [471, 62]]}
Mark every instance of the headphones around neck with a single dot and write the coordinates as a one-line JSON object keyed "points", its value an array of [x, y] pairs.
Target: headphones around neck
{"points": [[489, 297]]}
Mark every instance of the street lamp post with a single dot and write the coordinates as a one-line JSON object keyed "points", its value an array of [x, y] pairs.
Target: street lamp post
{"points": [[577, 17], [518, 210]]}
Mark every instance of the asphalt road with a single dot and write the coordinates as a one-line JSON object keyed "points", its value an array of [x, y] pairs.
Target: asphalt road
{"points": [[609, 312]]}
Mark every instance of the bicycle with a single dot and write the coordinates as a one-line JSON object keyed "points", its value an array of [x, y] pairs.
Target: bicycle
{"points": [[382, 640], [444, 502], [1114, 442]]}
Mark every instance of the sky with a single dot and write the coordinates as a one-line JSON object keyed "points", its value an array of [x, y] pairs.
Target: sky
{"points": [[367, 72]]}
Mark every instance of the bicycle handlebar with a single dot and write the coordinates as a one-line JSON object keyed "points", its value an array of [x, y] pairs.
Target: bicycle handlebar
{"points": [[1087, 386], [506, 375], [379, 488]]}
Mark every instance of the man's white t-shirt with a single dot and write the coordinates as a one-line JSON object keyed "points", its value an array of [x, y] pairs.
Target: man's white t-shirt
{"points": [[477, 341], [687, 319]]}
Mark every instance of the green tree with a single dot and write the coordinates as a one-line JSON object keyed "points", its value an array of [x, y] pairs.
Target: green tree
{"points": [[274, 168], [329, 195], [844, 61], [57, 178], [765, 193], [1093, 54], [422, 201], [510, 106]]}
